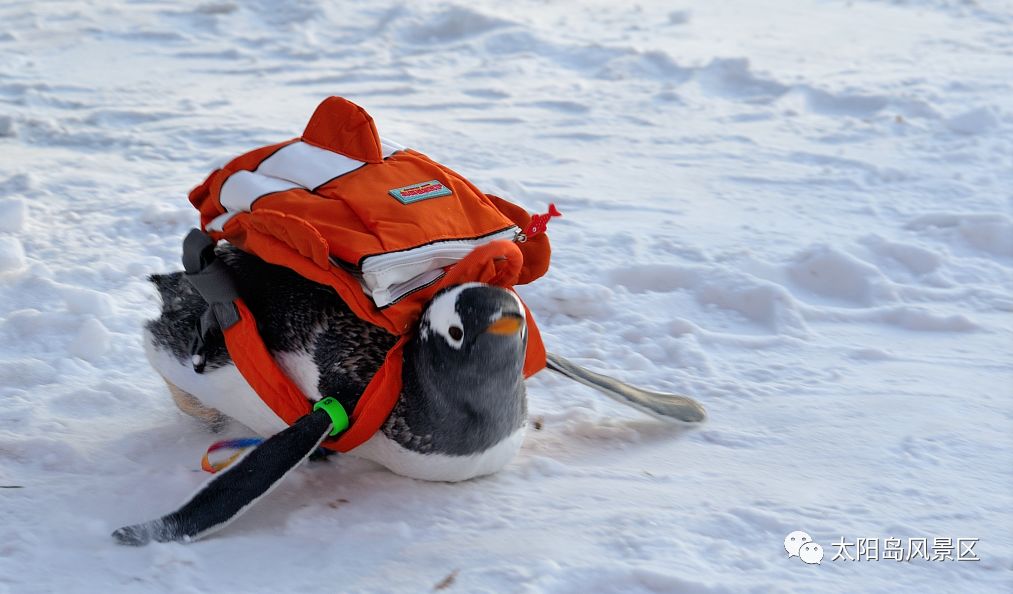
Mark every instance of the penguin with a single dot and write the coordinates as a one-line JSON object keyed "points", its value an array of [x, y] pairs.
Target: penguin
{"points": [[462, 409], [461, 412]]}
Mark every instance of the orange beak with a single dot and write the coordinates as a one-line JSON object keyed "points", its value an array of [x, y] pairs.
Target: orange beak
{"points": [[508, 324]]}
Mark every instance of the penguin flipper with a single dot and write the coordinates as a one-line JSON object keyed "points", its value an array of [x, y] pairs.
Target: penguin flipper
{"points": [[656, 404], [231, 492]]}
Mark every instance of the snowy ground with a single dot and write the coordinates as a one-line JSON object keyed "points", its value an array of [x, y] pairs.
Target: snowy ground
{"points": [[798, 211]]}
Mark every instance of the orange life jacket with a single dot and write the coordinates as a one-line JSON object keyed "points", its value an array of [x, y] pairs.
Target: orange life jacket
{"points": [[385, 226]]}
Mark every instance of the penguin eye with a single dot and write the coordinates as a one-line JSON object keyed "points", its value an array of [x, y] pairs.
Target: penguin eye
{"points": [[456, 332]]}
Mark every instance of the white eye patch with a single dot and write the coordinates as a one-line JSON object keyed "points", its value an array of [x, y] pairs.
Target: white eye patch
{"points": [[520, 307], [442, 315]]}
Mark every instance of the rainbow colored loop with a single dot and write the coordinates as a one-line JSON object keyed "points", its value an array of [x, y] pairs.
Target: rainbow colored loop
{"points": [[240, 445]]}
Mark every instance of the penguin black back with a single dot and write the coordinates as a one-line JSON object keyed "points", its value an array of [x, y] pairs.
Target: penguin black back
{"points": [[294, 315]]}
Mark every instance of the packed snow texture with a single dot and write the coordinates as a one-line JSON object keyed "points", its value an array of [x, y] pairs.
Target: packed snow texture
{"points": [[799, 212]]}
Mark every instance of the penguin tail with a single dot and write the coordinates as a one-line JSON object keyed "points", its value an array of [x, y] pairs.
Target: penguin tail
{"points": [[173, 290], [168, 285]]}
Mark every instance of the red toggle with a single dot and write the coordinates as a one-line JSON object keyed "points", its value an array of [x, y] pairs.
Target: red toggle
{"points": [[539, 222]]}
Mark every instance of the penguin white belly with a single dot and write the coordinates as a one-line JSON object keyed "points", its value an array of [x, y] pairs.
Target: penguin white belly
{"points": [[225, 390], [439, 467]]}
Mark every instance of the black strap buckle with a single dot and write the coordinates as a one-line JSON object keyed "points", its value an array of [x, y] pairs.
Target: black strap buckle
{"points": [[213, 280]]}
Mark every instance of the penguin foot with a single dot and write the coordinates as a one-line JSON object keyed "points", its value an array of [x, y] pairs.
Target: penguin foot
{"points": [[189, 404]]}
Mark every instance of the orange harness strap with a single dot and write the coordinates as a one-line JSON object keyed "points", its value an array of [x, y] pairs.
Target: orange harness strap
{"points": [[498, 263], [284, 397]]}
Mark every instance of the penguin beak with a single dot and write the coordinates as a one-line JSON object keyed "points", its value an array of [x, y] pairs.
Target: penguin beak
{"points": [[506, 325]]}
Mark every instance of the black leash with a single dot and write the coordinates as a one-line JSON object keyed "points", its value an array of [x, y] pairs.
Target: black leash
{"points": [[234, 490]]}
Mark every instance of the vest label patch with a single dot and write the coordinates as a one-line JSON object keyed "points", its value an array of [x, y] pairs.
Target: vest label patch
{"points": [[419, 192]]}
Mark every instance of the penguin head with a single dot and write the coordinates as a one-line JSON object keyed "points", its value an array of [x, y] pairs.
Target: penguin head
{"points": [[474, 330], [463, 371]]}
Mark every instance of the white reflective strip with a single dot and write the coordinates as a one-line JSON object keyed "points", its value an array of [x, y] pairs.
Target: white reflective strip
{"points": [[218, 223], [307, 165], [242, 189], [389, 147], [297, 165]]}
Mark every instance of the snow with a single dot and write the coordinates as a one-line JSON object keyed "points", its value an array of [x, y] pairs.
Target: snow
{"points": [[12, 254], [92, 341], [976, 121], [797, 211], [12, 215]]}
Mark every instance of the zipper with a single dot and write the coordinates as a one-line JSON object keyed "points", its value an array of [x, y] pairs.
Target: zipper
{"points": [[384, 297], [400, 268]]}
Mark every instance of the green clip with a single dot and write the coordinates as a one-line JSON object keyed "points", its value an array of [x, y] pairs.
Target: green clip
{"points": [[333, 408]]}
